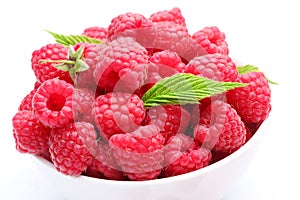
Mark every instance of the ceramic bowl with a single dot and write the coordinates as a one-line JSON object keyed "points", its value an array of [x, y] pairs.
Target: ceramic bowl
{"points": [[209, 183]]}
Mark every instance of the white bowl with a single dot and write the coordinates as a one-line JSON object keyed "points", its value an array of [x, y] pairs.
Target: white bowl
{"points": [[209, 183]]}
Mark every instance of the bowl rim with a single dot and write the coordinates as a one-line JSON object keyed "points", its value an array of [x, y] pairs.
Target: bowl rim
{"points": [[235, 155]]}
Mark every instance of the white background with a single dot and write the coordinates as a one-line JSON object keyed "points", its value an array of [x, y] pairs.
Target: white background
{"points": [[263, 33]]}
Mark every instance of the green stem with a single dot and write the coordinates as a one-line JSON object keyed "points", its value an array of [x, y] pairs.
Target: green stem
{"points": [[68, 62]]}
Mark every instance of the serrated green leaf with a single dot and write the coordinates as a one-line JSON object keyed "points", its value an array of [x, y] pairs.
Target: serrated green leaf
{"points": [[73, 39], [251, 68], [185, 89], [247, 69]]}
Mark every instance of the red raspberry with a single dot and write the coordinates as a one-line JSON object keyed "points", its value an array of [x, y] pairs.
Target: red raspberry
{"points": [[162, 64], [182, 155], [167, 62], [53, 103], [123, 65], [46, 70], [139, 153], [173, 15], [213, 66], [91, 53], [171, 119], [118, 113], [83, 101], [253, 101], [46, 154], [253, 127], [197, 109], [31, 136], [212, 40], [72, 147], [170, 36], [104, 164], [26, 103], [37, 84], [218, 155], [96, 32], [249, 134], [125, 22], [220, 128]]}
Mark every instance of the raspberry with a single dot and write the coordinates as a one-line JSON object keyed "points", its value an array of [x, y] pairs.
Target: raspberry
{"points": [[213, 66], [253, 127], [118, 113], [46, 154], [123, 65], [46, 70], [173, 15], [197, 109], [37, 84], [139, 153], [83, 103], [104, 164], [125, 22], [249, 134], [212, 40], [170, 36], [72, 147], [91, 53], [52, 103], [26, 103], [182, 155], [218, 155], [31, 136], [171, 119], [96, 32], [253, 101], [220, 128], [168, 63]]}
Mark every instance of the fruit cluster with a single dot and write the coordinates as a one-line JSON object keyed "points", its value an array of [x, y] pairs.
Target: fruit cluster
{"points": [[141, 99]]}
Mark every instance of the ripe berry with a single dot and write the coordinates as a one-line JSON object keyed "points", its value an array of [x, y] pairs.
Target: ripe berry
{"points": [[96, 32], [167, 62], [220, 128], [125, 22], [171, 119], [173, 15], [213, 66], [83, 101], [53, 103], [122, 65], [118, 113], [46, 70], [212, 40], [26, 103], [91, 53], [104, 164], [183, 155], [253, 102], [139, 153], [72, 147], [31, 136]]}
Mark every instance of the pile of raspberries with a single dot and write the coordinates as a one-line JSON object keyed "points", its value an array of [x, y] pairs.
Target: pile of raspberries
{"points": [[94, 123]]}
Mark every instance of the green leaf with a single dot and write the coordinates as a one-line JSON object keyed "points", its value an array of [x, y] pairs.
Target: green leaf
{"points": [[185, 88], [250, 68], [247, 69], [73, 39], [63, 67]]}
